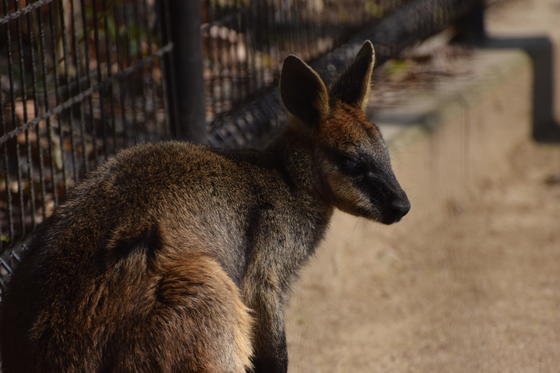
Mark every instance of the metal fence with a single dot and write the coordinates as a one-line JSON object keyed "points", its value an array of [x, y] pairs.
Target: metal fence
{"points": [[82, 79], [245, 42], [243, 107]]}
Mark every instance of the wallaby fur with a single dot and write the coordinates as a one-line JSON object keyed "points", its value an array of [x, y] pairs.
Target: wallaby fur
{"points": [[174, 257]]}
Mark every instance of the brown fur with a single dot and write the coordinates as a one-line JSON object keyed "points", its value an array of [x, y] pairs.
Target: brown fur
{"points": [[173, 257]]}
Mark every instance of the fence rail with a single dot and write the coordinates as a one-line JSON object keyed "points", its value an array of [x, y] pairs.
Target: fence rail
{"points": [[82, 79]]}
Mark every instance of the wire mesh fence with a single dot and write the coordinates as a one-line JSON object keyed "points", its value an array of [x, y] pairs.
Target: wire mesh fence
{"points": [[242, 107], [82, 79], [245, 41], [79, 81]]}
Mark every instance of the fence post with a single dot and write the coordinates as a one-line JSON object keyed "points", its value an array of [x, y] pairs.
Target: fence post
{"points": [[471, 27], [184, 69]]}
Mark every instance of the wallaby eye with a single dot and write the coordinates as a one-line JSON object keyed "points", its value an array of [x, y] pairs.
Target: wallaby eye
{"points": [[351, 166]]}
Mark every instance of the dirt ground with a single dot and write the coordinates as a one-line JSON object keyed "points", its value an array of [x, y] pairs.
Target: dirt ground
{"points": [[475, 290]]}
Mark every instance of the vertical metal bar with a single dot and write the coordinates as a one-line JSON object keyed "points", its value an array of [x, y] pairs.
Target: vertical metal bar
{"points": [[67, 61], [85, 41], [49, 124], [471, 28], [129, 61], [209, 73], [75, 60], [14, 123], [99, 77], [250, 67], [150, 82], [252, 26], [301, 25], [140, 24], [4, 148], [312, 17], [6, 157], [260, 26], [221, 64], [216, 84], [187, 63], [286, 33], [34, 98], [7, 178], [120, 67], [236, 91], [24, 94], [58, 94], [161, 38], [85, 36], [169, 69], [46, 98], [109, 51], [292, 37], [268, 74], [24, 97], [42, 172], [241, 67]]}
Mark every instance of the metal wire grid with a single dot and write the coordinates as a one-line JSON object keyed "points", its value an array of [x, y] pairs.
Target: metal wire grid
{"points": [[402, 24], [245, 41], [79, 80]]}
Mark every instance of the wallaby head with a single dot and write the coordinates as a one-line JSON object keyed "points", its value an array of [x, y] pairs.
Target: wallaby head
{"points": [[351, 161]]}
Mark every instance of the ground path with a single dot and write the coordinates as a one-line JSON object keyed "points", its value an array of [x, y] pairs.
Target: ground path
{"points": [[477, 290]]}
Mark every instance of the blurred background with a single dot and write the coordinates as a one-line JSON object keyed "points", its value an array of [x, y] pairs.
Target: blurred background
{"points": [[464, 93]]}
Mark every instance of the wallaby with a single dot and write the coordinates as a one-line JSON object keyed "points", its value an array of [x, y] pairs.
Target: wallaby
{"points": [[174, 257]]}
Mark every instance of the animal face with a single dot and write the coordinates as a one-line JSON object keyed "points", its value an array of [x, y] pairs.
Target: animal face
{"points": [[355, 168], [351, 158]]}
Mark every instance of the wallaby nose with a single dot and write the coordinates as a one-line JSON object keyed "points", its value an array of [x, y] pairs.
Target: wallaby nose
{"points": [[401, 207]]}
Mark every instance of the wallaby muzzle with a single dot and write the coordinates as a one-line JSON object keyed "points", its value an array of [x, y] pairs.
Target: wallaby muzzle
{"points": [[386, 193]]}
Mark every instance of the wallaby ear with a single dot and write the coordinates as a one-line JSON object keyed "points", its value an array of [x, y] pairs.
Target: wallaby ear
{"points": [[303, 92], [352, 87]]}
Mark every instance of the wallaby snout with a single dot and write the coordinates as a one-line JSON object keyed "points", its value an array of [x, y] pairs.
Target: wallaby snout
{"points": [[396, 203], [400, 206]]}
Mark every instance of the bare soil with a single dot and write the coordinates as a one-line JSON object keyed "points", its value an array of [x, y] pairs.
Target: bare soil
{"points": [[474, 289]]}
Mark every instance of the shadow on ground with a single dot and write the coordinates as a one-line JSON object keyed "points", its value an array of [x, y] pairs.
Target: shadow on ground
{"points": [[540, 50]]}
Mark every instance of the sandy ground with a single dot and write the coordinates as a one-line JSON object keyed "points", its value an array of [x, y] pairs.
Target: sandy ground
{"points": [[475, 290], [472, 287]]}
